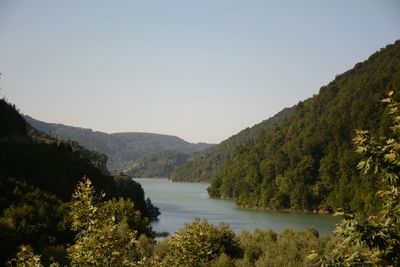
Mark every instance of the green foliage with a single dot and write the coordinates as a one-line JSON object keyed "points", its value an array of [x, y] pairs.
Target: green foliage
{"points": [[290, 249], [83, 209], [308, 162], [266, 248], [223, 260], [51, 167], [56, 167], [375, 240], [31, 216], [199, 243], [101, 240], [34, 215], [255, 243], [202, 166], [106, 236], [146, 250], [38, 175], [26, 258], [106, 230], [122, 209]]}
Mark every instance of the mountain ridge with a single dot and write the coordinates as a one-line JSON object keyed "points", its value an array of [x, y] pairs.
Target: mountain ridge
{"points": [[157, 165], [121, 148]]}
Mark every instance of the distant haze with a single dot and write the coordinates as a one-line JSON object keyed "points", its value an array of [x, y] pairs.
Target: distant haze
{"points": [[200, 70]]}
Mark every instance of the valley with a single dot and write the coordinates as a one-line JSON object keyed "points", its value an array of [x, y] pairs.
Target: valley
{"points": [[200, 133]]}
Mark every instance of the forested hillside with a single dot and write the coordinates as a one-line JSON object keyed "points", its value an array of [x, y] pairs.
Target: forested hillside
{"points": [[160, 164], [201, 166], [308, 162], [38, 175], [121, 148]]}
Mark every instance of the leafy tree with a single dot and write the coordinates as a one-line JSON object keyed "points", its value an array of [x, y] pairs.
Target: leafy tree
{"points": [[375, 240], [223, 261], [199, 243], [267, 248], [101, 240], [291, 248], [255, 243], [122, 209], [26, 258]]}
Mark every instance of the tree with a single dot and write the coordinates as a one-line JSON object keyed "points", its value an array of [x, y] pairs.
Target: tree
{"points": [[199, 243], [101, 240], [26, 258], [374, 241]]}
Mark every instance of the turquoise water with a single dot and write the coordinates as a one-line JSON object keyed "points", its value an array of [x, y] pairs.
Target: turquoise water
{"points": [[179, 203]]}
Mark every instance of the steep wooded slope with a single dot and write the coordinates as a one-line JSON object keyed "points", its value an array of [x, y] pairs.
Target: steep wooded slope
{"points": [[309, 161], [201, 166], [38, 175]]}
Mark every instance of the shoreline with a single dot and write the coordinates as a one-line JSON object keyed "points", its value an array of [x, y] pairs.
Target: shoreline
{"points": [[321, 211], [285, 210]]}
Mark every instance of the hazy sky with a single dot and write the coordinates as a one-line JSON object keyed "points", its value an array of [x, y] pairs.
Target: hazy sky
{"points": [[202, 70]]}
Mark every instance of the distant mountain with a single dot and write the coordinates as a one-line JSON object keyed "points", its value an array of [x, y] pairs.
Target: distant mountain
{"points": [[202, 166], [160, 164], [121, 148], [308, 162]]}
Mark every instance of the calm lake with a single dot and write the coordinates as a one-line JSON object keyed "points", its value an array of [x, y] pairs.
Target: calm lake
{"points": [[181, 202]]}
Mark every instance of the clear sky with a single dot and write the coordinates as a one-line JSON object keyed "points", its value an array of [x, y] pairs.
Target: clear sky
{"points": [[202, 70]]}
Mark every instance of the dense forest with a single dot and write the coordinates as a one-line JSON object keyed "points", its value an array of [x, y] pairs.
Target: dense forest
{"points": [[201, 167], [122, 149], [38, 175], [308, 162]]}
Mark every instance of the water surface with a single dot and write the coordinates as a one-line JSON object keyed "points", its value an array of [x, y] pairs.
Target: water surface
{"points": [[179, 203]]}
